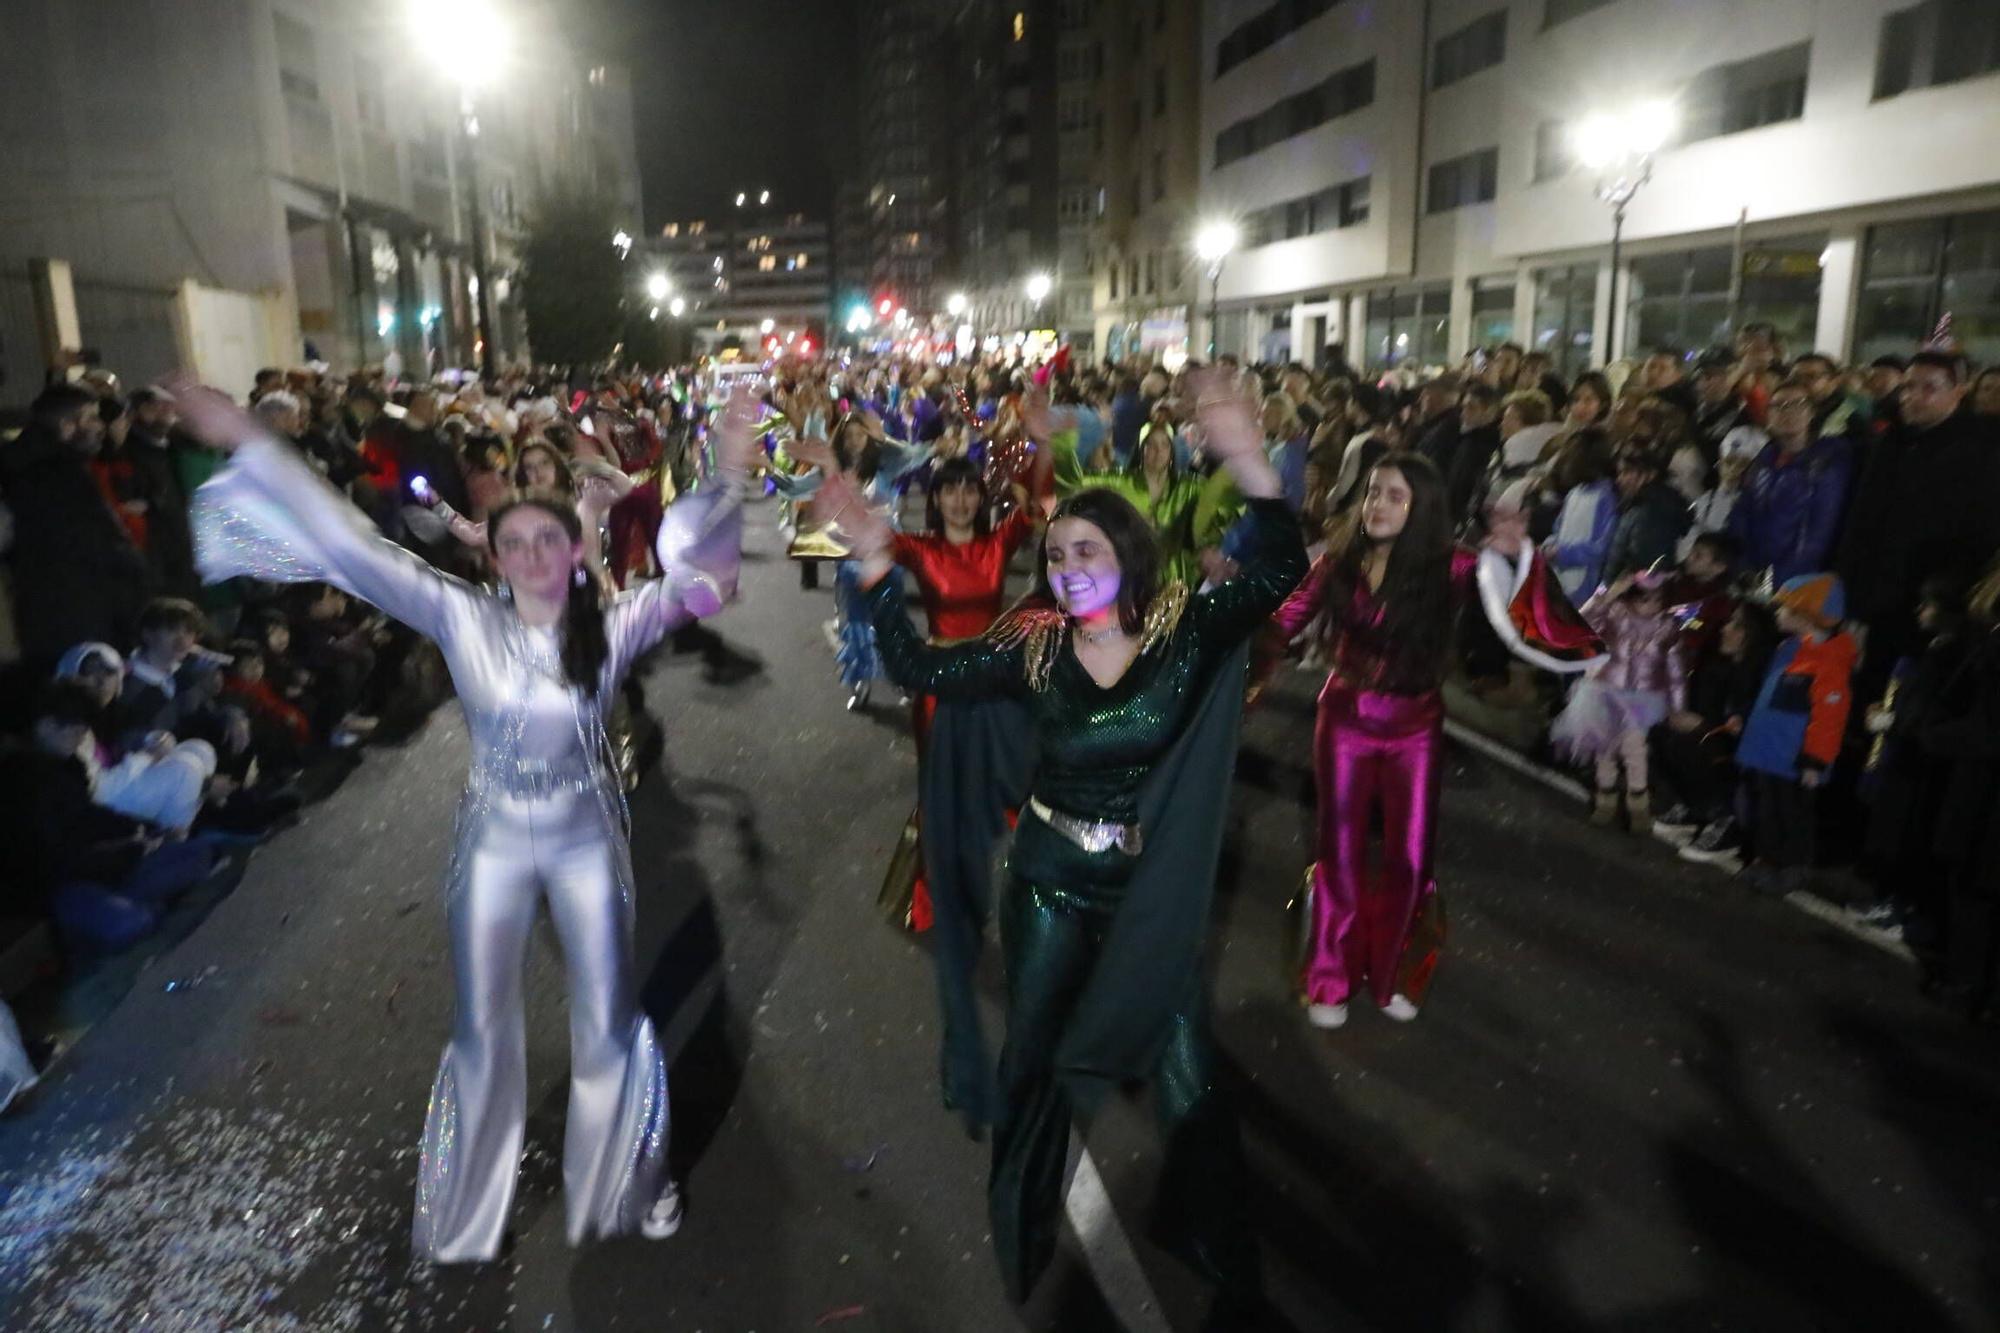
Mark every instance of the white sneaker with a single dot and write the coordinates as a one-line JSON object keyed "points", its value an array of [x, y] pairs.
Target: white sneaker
{"points": [[1401, 1008], [831, 629], [1327, 1016], [664, 1218]]}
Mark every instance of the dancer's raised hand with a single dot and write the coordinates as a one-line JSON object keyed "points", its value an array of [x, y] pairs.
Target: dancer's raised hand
{"points": [[736, 435], [210, 415], [813, 453]]}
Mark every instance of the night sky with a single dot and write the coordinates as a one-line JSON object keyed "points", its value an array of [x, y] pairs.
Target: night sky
{"points": [[735, 95]]}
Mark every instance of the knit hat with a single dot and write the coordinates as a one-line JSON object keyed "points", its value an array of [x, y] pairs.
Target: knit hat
{"points": [[1817, 597]]}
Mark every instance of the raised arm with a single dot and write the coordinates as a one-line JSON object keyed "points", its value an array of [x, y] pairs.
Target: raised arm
{"points": [[700, 549], [269, 515]]}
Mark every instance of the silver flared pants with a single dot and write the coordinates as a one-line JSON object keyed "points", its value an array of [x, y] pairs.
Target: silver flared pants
{"points": [[511, 852]]}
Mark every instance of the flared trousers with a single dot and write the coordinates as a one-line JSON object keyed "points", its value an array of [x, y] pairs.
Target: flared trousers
{"points": [[1051, 939], [512, 854], [1373, 753]]}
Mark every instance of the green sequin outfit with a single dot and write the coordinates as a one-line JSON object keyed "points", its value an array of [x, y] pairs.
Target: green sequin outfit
{"points": [[1095, 747]]}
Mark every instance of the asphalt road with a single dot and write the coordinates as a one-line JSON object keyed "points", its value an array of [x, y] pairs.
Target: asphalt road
{"points": [[1639, 1098]]}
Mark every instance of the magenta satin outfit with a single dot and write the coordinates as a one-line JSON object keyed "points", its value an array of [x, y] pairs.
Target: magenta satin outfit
{"points": [[1372, 749]]}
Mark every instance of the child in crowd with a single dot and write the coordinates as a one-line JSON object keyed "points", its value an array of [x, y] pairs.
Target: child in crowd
{"points": [[104, 878], [1641, 684], [1700, 595], [1694, 750], [1794, 730], [280, 734], [157, 779]]}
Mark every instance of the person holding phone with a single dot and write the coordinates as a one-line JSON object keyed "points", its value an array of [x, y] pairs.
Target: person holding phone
{"points": [[537, 664]]}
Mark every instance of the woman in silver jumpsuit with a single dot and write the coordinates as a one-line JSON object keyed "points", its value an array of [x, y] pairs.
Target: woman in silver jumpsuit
{"points": [[536, 666]]}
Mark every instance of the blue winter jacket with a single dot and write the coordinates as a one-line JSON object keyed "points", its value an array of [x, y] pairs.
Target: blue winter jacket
{"points": [[1788, 516]]}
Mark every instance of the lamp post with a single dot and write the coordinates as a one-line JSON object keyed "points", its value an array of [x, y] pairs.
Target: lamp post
{"points": [[479, 47], [1619, 147], [1213, 245], [1038, 287]]}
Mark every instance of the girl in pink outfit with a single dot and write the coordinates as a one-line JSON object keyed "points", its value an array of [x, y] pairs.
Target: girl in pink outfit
{"points": [[1382, 600], [1641, 683]]}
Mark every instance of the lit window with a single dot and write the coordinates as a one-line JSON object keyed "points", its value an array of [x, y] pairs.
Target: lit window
{"points": [[697, 227], [671, 230], [767, 263], [1020, 25], [801, 261]]}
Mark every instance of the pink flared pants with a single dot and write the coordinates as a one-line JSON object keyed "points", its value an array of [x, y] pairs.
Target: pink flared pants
{"points": [[1372, 752]]}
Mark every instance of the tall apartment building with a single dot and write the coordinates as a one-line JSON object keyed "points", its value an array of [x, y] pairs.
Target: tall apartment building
{"points": [[1143, 112], [233, 183], [905, 153], [1406, 185], [745, 266]]}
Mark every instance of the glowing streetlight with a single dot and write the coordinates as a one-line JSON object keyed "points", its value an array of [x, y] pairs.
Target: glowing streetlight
{"points": [[1039, 286], [955, 304], [740, 197], [1619, 146], [764, 197], [481, 43], [1213, 245], [621, 241], [657, 286], [677, 307], [767, 326]]}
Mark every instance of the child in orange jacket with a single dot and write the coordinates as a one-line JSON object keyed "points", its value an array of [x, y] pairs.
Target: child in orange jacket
{"points": [[1795, 728]]}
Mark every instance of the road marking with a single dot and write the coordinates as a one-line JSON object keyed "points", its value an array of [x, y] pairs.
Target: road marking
{"points": [[1108, 1251], [1810, 903]]}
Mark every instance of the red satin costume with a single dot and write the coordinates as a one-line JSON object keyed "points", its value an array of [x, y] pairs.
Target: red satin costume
{"points": [[962, 586]]}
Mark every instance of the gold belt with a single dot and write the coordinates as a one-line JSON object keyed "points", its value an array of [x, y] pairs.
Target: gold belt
{"points": [[1093, 835]]}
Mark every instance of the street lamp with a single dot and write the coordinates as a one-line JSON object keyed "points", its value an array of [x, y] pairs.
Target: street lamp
{"points": [[955, 304], [657, 286], [1619, 147], [479, 49], [1213, 245], [767, 326], [621, 241], [1039, 285], [677, 307]]}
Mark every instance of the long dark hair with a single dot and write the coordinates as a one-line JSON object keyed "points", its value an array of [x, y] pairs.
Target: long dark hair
{"points": [[863, 462], [1416, 589], [959, 471], [1132, 541], [565, 482], [585, 648]]}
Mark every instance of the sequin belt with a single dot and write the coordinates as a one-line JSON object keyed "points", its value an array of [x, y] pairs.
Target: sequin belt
{"points": [[531, 781], [1093, 835]]}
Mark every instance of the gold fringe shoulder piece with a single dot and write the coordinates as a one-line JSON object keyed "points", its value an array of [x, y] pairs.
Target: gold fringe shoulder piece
{"points": [[1038, 631], [1164, 614]]}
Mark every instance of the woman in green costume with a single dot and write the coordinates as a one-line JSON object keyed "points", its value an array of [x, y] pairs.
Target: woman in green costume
{"points": [[1188, 512], [1131, 687]]}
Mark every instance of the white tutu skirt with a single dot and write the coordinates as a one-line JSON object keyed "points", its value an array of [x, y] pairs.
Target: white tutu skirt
{"points": [[1597, 715]]}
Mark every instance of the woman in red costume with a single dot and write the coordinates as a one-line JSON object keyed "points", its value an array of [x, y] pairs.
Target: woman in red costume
{"points": [[960, 564], [1382, 601]]}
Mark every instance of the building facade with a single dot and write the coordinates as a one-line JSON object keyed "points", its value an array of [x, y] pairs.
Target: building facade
{"points": [[905, 149], [1407, 188], [1144, 120], [748, 273], [315, 203]]}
